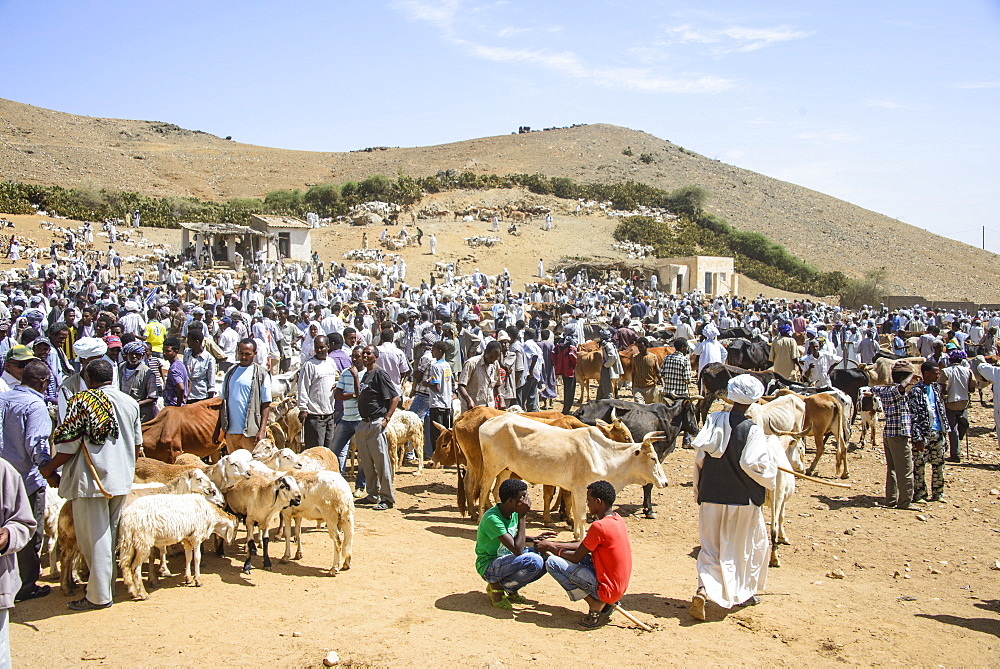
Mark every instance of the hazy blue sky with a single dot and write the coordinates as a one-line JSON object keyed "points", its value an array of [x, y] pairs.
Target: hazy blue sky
{"points": [[891, 105]]}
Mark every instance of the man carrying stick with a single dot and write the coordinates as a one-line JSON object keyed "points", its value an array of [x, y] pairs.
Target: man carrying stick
{"points": [[733, 470], [598, 568]]}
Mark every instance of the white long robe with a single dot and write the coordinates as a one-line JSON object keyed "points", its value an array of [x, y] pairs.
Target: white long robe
{"points": [[733, 560]]}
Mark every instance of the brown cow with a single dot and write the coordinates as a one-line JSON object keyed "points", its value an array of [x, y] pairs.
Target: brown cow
{"points": [[183, 429], [824, 415]]}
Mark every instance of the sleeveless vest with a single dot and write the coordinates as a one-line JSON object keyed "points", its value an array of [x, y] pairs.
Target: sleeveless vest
{"points": [[722, 480]]}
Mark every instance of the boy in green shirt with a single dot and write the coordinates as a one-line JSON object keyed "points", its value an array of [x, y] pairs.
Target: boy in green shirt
{"points": [[501, 558]]}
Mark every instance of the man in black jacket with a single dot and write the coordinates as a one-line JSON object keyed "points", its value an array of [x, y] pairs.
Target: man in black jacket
{"points": [[377, 400]]}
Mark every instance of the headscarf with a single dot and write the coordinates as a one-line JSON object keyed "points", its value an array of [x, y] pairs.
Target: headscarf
{"points": [[710, 331], [89, 347], [745, 389], [957, 355], [134, 347]]}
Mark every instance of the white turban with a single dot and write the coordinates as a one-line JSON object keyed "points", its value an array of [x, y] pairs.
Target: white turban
{"points": [[131, 305], [745, 389], [710, 331], [89, 347]]}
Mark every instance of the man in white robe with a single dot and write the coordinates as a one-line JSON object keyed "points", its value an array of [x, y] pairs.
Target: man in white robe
{"points": [[733, 470], [710, 349]]}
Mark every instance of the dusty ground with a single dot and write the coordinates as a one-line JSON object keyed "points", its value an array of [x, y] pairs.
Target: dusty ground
{"points": [[412, 596]]}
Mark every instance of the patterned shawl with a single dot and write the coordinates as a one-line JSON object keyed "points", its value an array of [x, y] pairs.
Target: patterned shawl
{"points": [[90, 415]]}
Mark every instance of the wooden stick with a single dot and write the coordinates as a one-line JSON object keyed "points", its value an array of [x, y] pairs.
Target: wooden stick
{"points": [[93, 469], [632, 618], [814, 479]]}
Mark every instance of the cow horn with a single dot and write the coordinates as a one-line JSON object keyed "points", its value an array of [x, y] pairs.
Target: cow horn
{"points": [[653, 436], [695, 397], [440, 427], [614, 415]]}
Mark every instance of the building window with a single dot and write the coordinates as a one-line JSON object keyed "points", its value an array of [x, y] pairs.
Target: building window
{"points": [[708, 283], [284, 244]]}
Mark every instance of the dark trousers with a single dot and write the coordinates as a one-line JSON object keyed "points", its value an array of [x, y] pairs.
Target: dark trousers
{"points": [[569, 391], [284, 365], [528, 394], [29, 558], [441, 417], [318, 431], [958, 425]]}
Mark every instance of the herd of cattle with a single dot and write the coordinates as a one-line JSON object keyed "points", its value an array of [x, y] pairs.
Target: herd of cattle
{"points": [[280, 484]]}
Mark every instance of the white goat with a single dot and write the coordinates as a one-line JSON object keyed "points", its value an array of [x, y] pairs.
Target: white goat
{"points": [[405, 427], [162, 520], [326, 497], [258, 500], [53, 505], [789, 453]]}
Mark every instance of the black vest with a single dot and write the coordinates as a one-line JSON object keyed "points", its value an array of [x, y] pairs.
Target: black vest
{"points": [[722, 480]]}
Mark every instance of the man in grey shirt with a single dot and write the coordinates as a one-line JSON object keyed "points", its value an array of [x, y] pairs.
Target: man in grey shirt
{"points": [[200, 365], [96, 445]]}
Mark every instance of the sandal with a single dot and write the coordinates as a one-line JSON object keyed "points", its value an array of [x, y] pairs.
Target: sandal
{"points": [[516, 598], [597, 618], [501, 602]]}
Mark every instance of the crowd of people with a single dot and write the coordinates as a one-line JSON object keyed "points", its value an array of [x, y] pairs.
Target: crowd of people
{"points": [[88, 356]]}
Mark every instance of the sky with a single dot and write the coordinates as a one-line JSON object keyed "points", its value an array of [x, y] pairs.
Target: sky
{"points": [[891, 105]]}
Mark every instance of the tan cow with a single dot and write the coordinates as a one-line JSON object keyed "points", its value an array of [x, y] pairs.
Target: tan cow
{"points": [[568, 459], [460, 447], [824, 415]]}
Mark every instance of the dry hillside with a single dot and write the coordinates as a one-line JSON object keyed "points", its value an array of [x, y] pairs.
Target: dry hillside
{"points": [[48, 147]]}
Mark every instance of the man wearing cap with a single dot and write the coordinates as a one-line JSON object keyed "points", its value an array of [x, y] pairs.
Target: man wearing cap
{"points": [[228, 339], [733, 472], [896, 435], [14, 364]]}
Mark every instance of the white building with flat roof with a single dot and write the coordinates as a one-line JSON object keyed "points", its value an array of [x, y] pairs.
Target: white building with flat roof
{"points": [[713, 275], [287, 237]]}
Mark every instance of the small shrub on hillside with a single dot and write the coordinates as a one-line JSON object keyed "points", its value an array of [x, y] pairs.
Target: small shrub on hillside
{"points": [[647, 158], [627, 151], [644, 230]]}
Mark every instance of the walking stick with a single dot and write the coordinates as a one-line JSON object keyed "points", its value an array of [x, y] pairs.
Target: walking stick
{"points": [[632, 618], [93, 470], [814, 479]]}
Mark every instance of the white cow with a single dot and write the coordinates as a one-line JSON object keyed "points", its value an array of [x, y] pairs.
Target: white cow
{"points": [[788, 452]]}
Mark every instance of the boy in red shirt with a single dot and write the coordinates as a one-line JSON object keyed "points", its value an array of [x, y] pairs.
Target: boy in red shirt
{"points": [[598, 568]]}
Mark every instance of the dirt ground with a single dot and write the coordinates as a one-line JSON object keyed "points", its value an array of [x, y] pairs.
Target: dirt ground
{"points": [[918, 589]]}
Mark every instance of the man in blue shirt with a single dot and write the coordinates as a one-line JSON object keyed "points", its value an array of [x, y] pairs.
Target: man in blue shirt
{"points": [[246, 401], [26, 430], [347, 393]]}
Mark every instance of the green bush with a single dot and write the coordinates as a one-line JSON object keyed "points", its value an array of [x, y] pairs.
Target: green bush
{"points": [[644, 230], [627, 151], [647, 158]]}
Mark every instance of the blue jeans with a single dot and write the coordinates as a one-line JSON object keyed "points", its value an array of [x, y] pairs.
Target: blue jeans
{"points": [[579, 580], [341, 442], [513, 572], [421, 406]]}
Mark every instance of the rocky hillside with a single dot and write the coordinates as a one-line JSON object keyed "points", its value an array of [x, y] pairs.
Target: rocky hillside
{"points": [[48, 147]]}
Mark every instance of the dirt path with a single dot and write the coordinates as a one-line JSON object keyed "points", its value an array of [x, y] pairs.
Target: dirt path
{"points": [[412, 596]]}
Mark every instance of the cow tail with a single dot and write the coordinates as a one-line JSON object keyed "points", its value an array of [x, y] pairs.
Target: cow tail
{"points": [[462, 502]]}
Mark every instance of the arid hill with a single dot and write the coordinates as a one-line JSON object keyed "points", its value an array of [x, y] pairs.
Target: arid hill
{"points": [[48, 147]]}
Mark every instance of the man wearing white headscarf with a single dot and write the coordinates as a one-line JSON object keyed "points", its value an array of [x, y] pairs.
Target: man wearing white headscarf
{"points": [[86, 349], [709, 349], [732, 473]]}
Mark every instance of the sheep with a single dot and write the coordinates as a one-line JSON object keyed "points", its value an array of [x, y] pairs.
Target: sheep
{"points": [[162, 520], [258, 500], [405, 427], [278, 459], [53, 505], [188, 459], [326, 497], [193, 481], [318, 458]]}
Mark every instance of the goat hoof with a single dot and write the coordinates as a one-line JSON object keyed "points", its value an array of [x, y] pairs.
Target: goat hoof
{"points": [[845, 475], [247, 569], [298, 555], [649, 513], [267, 565], [283, 560]]}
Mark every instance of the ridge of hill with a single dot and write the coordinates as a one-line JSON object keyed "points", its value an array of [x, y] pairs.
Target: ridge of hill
{"points": [[53, 148]]}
